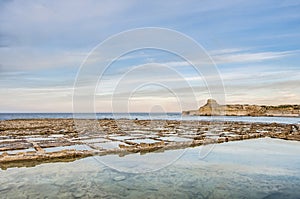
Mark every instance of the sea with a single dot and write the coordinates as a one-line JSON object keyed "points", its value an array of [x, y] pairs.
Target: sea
{"points": [[149, 116]]}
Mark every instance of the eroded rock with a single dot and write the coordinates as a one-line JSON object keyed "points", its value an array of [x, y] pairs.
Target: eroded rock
{"points": [[63, 142]]}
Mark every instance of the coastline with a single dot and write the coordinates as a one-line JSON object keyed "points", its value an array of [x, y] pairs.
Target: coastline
{"points": [[29, 142], [212, 108]]}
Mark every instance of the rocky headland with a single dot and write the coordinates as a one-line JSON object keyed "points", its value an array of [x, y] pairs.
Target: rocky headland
{"points": [[212, 108]]}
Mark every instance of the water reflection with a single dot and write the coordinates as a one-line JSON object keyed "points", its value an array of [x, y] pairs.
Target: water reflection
{"points": [[261, 168]]}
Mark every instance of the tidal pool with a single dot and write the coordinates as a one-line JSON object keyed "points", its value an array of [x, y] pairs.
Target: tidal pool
{"points": [[257, 168]]}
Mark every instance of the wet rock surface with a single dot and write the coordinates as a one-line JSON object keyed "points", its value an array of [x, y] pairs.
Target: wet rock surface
{"points": [[35, 141]]}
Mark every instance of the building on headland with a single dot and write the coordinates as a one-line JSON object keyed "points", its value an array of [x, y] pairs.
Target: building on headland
{"points": [[213, 108]]}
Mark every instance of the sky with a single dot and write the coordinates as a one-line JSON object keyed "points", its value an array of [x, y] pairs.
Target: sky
{"points": [[253, 44]]}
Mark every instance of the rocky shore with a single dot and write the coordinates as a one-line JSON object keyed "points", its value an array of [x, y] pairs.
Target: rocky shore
{"points": [[213, 108], [35, 141]]}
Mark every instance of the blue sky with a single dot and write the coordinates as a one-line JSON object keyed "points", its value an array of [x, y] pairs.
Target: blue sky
{"points": [[255, 45]]}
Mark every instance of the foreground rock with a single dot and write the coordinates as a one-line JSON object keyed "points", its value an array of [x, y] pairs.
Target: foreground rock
{"points": [[213, 108], [32, 142]]}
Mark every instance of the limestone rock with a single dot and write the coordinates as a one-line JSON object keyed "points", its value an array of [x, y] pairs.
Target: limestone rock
{"points": [[213, 108]]}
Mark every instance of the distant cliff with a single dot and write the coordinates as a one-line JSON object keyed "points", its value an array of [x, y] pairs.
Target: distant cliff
{"points": [[213, 108]]}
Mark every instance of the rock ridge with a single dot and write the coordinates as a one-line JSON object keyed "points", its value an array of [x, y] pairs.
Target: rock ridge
{"points": [[212, 108]]}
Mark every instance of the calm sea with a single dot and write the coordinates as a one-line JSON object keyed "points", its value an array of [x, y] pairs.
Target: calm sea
{"points": [[151, 116]]}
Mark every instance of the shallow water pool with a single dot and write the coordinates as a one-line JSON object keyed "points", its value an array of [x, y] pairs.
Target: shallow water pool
{"points": [[258, 168]]}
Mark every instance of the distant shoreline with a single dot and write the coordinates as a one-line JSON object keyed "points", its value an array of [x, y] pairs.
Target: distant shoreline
{"points": [[157, 116], [212, 108]]}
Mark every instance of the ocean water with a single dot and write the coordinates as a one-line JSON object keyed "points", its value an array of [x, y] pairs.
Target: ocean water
{"points": [[262, 168], [151, 116]]}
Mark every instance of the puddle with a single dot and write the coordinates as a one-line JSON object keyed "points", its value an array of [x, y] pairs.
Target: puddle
{"points": [[17, 151], [56, 136], [229, 134], [139, 141], [121, 138], [261, 131], [109, 145], [176, 139], [11, 140], [95, 140], [212, 135], [60, 148], [40, 139], [4, 137]]}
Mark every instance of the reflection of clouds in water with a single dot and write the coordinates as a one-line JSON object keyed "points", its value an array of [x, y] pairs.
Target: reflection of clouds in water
{"points": [[266, 146], [142, 163], [221, 175], [256, 156]]}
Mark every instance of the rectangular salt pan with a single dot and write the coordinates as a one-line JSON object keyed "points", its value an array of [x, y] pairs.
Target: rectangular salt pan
{"points": [[175, 139], [60, 148], [40, 139], [109, 145], [147, 141], [17, 151], [121, 138], [95, 140]]}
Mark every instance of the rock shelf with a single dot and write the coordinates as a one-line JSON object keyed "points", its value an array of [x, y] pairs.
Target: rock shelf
{"points": [[35, 141]]}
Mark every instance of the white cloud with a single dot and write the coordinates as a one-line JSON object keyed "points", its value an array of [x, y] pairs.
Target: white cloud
{"points": [[227, 51], [238, 57]]}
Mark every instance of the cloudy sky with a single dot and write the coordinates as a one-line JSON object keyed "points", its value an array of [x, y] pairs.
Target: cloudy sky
{"points": [[254, 44]]}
